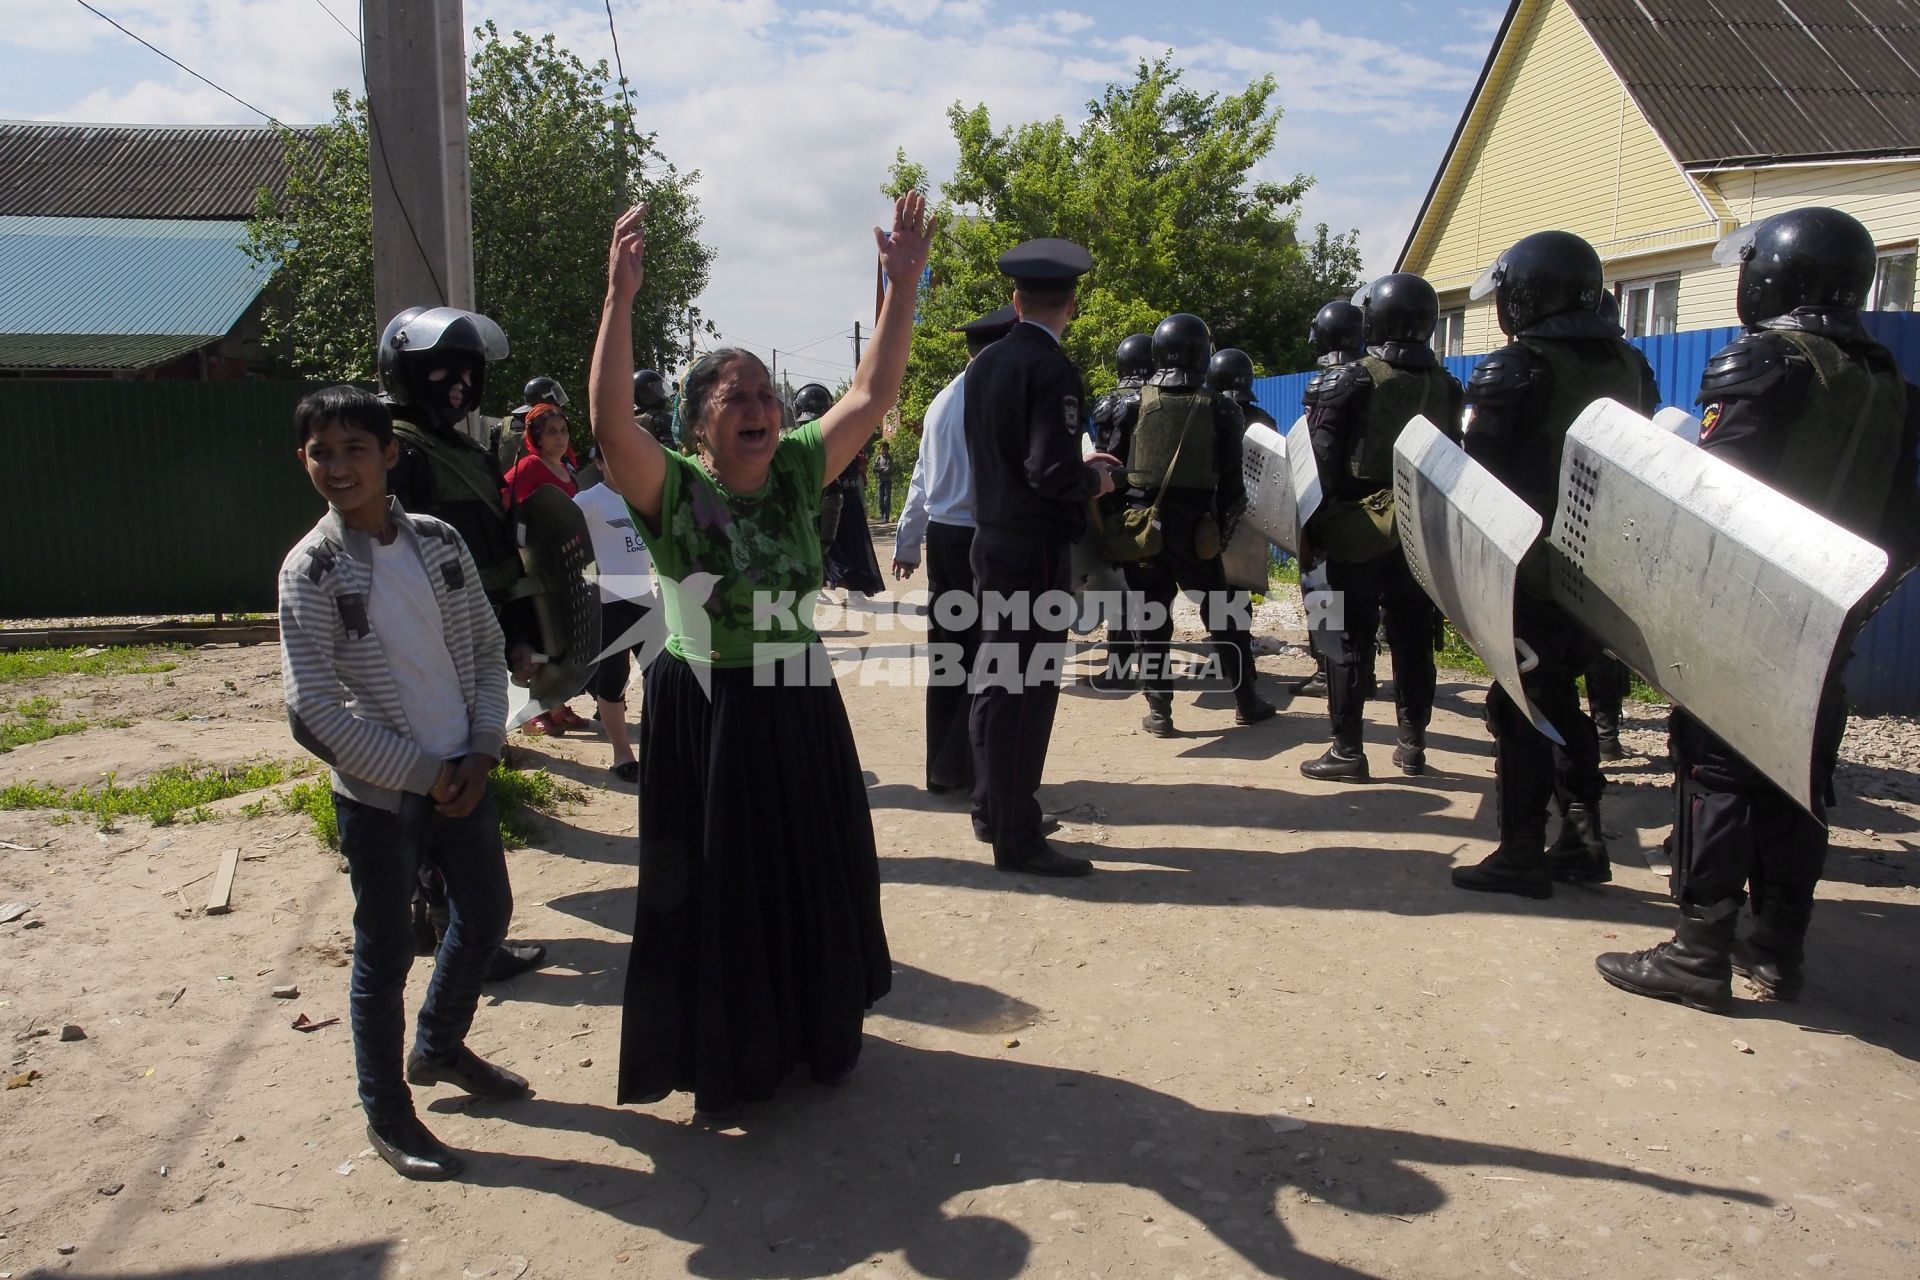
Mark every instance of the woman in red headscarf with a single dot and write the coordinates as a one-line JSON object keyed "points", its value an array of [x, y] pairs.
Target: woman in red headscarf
{"points": [[546, 462]]}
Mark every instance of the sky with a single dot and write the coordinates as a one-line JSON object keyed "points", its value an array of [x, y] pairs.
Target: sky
{"points": [[792, 111]]}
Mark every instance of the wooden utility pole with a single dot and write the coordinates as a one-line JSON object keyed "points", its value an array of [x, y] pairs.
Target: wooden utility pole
{"points": [[417, 150], [856, 344]]}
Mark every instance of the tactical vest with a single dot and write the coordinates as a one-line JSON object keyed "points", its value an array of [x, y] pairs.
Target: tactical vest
{"points": [[1845, 444], [1579, 379], [1170, 423], [1398, 397], [463, 476]]}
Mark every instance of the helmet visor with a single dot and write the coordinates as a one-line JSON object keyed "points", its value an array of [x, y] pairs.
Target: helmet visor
{"points": [[1489, 280], [424, 331], [1737, 246], [1359, 298]]}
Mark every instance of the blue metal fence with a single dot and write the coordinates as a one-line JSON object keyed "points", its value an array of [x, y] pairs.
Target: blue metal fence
{"points": [[1884, 677]]}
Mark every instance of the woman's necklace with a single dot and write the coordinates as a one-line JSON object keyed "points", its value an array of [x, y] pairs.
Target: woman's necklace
{"points": [[706, 465]]}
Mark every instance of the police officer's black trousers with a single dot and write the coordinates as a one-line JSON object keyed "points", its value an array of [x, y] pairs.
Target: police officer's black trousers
{"points": [[950, 578], [1733, 827], [1226, 612], [1528, 768], [1608, 680], [1366, 593], [1011, 717]]}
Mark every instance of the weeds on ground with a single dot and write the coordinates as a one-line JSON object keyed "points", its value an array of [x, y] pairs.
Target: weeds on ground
{"points": [[32, 720], [121, 660], [518, 796], [161, 798], [1457, 655]]}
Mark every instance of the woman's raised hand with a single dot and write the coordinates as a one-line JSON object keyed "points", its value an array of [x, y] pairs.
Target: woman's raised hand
{"points": [[626, 257], [904, 252]]}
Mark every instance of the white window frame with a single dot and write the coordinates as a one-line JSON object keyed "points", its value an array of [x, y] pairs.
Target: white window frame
{"points": [[1631, 292], [1874, 299], [1450, 333]]}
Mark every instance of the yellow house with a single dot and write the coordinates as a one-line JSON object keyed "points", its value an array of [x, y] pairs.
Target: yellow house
{"points": [[1654, 127]]}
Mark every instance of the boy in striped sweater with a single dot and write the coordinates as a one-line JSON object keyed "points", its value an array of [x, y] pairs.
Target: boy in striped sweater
{"points": [[394, 675]]}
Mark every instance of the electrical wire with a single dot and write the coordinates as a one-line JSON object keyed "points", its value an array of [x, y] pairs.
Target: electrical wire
{"points": [[377, 140], [176, 62], [343, 26]]}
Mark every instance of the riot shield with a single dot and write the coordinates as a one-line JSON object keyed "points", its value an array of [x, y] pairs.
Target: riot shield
{"points": [[1268, 478], [1677, 421], [558, 553], [1729, 597], [1305, 470], [1465, 535]]}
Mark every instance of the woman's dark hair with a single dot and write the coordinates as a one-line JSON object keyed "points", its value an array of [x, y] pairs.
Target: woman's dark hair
{"points": [[700, 382], [347, 405]]}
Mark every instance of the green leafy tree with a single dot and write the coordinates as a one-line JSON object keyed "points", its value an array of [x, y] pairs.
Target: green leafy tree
{"points": [[1157, 184], [554, 159]]}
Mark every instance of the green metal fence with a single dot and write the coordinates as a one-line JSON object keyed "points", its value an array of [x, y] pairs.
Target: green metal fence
{"points": [[149, 497]]}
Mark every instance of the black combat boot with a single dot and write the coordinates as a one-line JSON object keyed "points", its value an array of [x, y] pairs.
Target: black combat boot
{"points": [[1159, 718], [1607, 725], [1693, 968], [1771, 959], [1517, 865], [1252, 709], [1339, 764], [1314, 686], [1579, 854], [1410, 756]]}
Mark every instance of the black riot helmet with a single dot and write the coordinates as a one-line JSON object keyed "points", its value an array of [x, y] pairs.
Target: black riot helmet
{"points": [[1181, 348], [1542, 275], [811, 401], [423, 341], [1401, 307], [1813, 257], [1338, 326], [649, 389], [1231, 371], [544, 391], [1133, 358]]}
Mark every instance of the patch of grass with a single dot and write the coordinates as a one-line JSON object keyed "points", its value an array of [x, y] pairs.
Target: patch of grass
{"points": [[1278, 574], [163, 797], [32, 720], [518, 796], [122, 660], [1458, 655]]}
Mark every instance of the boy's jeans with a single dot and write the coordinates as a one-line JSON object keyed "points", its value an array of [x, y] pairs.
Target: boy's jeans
{"points": [[383, 851]]}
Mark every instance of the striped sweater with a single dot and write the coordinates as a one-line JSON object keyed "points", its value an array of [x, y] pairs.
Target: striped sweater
{"points": [[342, 700]]}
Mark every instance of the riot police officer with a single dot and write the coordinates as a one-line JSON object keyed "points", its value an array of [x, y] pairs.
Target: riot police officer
{"points": [[1114, 413], [1024, 413], [432, 366], [1183, 463], [1230, 373], [1520, 401], [1336, 334], [1809, 403], [650, 406], [1355, 412]]}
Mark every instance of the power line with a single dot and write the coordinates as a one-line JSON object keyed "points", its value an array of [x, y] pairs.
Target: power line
{"points": [[176, 62], [343, 26], [377, 140]]}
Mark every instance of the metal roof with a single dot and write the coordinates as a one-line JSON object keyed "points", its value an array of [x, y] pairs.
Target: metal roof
{"points": [[1727, 82], [93, 351], [124, 276], [129, 171]]}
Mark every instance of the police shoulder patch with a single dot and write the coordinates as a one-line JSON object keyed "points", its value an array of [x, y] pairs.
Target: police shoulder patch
{"points": [[1710, 419]]}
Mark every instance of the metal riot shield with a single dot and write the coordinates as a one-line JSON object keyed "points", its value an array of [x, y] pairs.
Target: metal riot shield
{"points": [[1729, 597], [1677, 421], [1465, 535], [1305, 470], [1269, 486], [557, 551], [1245, 558]]}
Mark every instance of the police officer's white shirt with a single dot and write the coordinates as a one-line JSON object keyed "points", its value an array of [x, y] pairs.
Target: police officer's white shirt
{"points": [[626, 570], [406, 621], [942, 488]]}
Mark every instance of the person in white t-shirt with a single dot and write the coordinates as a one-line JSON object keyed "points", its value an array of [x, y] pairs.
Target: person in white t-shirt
{"points": [[627, 595]]}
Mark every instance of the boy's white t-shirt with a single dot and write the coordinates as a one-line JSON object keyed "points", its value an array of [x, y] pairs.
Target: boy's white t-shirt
{"points": [[406, 619], [626, 570]]}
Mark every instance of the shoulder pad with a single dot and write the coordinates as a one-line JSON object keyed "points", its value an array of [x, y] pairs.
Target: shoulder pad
{"points": [[1751, 365], [1338, 384], [428, 527], [1506, 375], [321, 560]]}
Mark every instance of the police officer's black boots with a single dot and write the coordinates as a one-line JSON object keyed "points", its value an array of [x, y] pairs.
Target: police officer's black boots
{"points": [[1315, 685], [1344, 761], [1607, 725], [1772, 957], [1579, 854], [1518, 864], [1252, 709], [1159, 718], [1410, 756], [1693, 968]]}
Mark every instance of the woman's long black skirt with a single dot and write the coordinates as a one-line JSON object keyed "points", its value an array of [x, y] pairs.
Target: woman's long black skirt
{"points": [[757, 939], [849, 558]]}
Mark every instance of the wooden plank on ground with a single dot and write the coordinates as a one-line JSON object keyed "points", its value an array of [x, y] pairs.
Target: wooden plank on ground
{"points": [[220, 901]]}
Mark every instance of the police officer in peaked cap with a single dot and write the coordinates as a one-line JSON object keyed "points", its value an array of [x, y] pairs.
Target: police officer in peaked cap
{"points": [[1810, 403], [1025, 414]]}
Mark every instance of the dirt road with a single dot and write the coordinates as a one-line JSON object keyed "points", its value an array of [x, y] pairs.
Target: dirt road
{"points": [[1267, 1038]]}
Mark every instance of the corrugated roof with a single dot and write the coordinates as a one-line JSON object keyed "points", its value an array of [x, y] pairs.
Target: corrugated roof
{"points": [[126, 171], [1765, 81], [124, 276], [92, 351]]}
